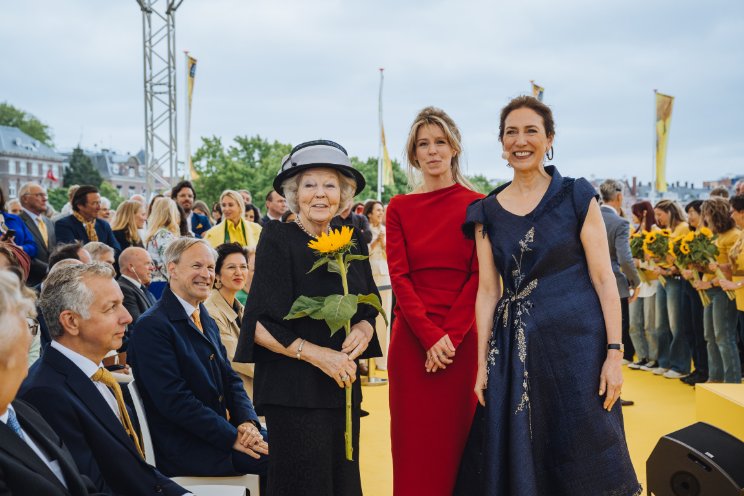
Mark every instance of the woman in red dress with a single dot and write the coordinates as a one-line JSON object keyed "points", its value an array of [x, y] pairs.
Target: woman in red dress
{"points": [[433, 349]]}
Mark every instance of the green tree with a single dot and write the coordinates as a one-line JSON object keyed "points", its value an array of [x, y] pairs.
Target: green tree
{"points": [[57, 198], [250, 163], [15, 117], [368, 169], [81, 170], [109, 191], [483, 184]]}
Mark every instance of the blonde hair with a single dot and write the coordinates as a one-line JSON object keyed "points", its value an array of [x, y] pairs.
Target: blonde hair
{"points": [[125, 219], [164, 215], [433, 116], [16, 299], [237, 197], [291, 185]]}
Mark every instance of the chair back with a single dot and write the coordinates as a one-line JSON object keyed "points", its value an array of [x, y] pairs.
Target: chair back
{"points": [[139, 409]]}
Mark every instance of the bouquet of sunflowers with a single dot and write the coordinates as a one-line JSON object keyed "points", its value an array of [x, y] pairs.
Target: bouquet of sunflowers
{"points": [[703, 251], [684, 258], [656, 249], [636, 251]]}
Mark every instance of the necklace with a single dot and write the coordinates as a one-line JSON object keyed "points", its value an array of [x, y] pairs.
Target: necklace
{"points": [[299, 223]]}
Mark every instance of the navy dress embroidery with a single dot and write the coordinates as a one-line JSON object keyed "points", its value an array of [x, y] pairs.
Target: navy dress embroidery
{"points": [[546, 430]]}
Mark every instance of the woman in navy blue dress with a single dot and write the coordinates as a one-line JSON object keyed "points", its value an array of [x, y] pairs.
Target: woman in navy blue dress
{"points": [[549, 343]]}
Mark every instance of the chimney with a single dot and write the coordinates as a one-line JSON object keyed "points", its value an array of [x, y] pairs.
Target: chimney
{"points": [[634, 188]]}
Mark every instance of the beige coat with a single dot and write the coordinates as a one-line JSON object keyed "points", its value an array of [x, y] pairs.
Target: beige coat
{"points": [[225, 317]]}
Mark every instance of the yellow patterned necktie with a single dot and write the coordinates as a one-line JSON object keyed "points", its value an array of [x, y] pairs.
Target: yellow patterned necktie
{"points": [[197, 320], [90, 226], [104, 377], [43, 230]]}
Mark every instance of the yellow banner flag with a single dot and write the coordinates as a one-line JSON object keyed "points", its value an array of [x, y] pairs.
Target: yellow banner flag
{"points": [[190, 75], [387, 165], [663, 121], [537, 91]]}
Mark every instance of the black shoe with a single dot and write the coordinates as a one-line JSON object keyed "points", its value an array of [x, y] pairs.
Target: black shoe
{"points": [[363, 412], [695, 378], [626, 402], [637, 365]]}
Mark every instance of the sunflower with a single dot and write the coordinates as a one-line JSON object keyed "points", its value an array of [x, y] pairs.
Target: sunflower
{"points": [[706, 232], [666, 231], [650, 238], [335, 241], [689, 237], [684, 247]]}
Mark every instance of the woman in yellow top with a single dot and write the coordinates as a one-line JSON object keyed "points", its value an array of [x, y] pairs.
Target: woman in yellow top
{"points": [[720, 316], [736, 256], [233, 228], [674, 347]]}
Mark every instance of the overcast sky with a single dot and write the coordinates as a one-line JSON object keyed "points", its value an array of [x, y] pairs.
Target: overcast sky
{"points": [[299, 70]]}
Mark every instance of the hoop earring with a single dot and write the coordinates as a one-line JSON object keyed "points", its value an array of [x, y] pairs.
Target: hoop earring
{"points": [[549, 154]]}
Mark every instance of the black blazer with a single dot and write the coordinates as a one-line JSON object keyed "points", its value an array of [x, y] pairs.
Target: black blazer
{"points": [[23, 472], [39, 262], [188, 387], [73, 406], [69, 229], [135, 300]]}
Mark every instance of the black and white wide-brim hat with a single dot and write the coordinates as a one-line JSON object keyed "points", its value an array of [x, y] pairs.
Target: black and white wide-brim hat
{"points": [[318, 153]]}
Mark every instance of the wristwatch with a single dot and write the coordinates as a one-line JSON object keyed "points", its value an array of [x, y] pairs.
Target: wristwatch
{"points": [[616, 346]]}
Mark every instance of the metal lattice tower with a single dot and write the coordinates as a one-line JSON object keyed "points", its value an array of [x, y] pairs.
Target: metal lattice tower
{"points": [[159, 44]]}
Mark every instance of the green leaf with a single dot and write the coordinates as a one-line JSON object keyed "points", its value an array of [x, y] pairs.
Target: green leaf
{"points": [[319, 263], [338, 310], [305, 306], [350, 258], [333, 267], [372, 300]]}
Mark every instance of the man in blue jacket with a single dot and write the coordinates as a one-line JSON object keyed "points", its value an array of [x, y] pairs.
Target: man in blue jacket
{"points": [[82, 305], [186, 381], [83, 223], [184, 194]]}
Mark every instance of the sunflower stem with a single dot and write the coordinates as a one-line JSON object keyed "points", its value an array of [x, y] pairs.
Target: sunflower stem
{"points": [[349, 448]]}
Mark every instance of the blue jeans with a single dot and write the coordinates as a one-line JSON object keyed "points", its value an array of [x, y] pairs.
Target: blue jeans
{"points": [[642, 322], [674, 350], [692, 320], [719, 320]]}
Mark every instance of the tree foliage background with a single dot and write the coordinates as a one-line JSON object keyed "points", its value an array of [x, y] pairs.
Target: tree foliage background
{"points": [[15, 117], [81, 170]]}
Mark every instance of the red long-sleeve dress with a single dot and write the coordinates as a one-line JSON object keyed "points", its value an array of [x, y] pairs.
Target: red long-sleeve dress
{"points": [[434, 273]]}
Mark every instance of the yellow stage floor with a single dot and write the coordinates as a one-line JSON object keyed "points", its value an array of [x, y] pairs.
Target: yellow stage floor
{"points": [[661, 406]]}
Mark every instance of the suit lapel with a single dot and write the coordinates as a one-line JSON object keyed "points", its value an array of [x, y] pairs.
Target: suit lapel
{"points": [[87, 392], [17, 448], [141, 295]]}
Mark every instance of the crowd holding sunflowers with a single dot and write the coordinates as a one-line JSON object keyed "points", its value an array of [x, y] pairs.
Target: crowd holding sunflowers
{"points": [[689, 308]]}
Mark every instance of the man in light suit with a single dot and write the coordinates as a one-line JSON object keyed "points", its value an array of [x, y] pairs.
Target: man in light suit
{"points": [[33, 459], [136, 269], [83, 308], [184, 376], [34, 203], [618, 237]]}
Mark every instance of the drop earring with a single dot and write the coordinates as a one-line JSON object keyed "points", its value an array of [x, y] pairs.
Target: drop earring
{"points": [[549, 154]]}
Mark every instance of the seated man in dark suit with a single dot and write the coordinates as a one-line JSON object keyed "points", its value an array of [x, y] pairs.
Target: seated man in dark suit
{"points": [[33, 199], [185, 195], [83, 224], [136, 269], [83, 308], [185, 378], [33, 459]]}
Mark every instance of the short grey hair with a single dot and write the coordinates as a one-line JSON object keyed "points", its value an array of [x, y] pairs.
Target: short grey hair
{"points": [[291, 185], [105, 202], [174, 250], [65, 289], [609, 189], [97, 249], [27, 186], [13, 300]]}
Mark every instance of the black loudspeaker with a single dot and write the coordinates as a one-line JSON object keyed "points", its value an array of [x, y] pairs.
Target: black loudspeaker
{"points": [[699, 460]]}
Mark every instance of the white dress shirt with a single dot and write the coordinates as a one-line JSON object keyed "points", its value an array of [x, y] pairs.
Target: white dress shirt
{"points": [[52, 464], [89, 368], [186, 305]]}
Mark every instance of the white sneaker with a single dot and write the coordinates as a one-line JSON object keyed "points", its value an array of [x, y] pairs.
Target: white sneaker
{"points": [[660, 371], [650, 366], [673, 374]]}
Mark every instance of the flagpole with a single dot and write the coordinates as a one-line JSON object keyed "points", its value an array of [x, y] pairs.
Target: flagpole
{"points": [[379, 154], [653, 156], [187, 139]]}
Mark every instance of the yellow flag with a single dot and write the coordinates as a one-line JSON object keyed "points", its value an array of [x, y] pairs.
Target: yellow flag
{"points": [[537, 91], [387, 165], [663, 121], [190, 75]]}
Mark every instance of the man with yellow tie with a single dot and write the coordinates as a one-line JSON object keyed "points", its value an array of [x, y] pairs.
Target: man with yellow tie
{"points": [[83, 308], [33, 199], [201, 420]]}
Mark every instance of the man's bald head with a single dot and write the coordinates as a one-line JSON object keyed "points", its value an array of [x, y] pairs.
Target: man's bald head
{"points": [[136, 263]]}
